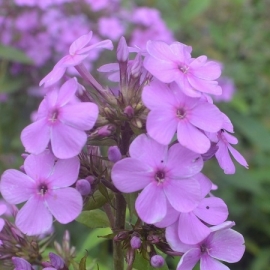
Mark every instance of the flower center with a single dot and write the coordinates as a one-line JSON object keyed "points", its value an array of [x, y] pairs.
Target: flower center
{"points": [[183, 68], [181, 113], [42, 189], [203, 248], [53, 115], [160, 176]]}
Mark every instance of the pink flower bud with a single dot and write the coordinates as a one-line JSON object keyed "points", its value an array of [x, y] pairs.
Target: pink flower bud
{"points": [[157, 261], [90, 179], [21, 263], [135, 242], [114, 153], [22, 169], [56, 261], [122, 50], [129, 111], [106, 130], [83, 186]]}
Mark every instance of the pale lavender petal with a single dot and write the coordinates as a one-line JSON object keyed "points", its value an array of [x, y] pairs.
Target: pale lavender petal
{"points": [[151, 204], [2, 224], [239, 158], [210, 87], [173, 240], [226, 245], [157, 95], [105, 44], [205, 183], [80, 43], [16, 187], [163, 70], [207, 117], [227, 124], [198, 62], [208, 263], [183, 195], [79, 115], [39, 166], [65, 204], [186, 87], [181, 51], [109, 67], [21, 264], [67, 92], [3, 209], [54, 76], [71, 61], [65, 172], [223, 226], [129, 175], [224, 159], [189, 259], [183, 163], [212, 211], [161, 125], [171, 217], [153, 154], [192, 138], [36, 136], [66, 141], [208, 71], [191, 230], [228, 138], [34, 217]]}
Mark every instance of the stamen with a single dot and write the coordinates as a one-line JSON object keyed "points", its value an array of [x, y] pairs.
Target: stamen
{"points": [[181, 113]]}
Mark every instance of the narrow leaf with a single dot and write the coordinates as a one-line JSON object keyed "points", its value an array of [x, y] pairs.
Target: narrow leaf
{"points": [[94, 219]]}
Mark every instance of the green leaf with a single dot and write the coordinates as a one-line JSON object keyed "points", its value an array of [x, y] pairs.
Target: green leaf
{"points": [[98, 200], [140, 263], [130, 199], [82, 264], [94, 219], [13, 55], [10, 85]]}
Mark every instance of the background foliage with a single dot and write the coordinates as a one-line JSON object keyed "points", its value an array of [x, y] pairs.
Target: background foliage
{"points": [[236, 33]]}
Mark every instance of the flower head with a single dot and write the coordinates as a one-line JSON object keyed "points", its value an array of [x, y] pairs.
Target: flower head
{"points": [[45, 187]]}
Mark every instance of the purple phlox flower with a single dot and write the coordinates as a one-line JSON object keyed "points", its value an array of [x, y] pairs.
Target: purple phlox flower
{"points": [[191, 225], [165, 176], [228, 89], [21, 264], [223, 139], [222, 244], [45, 187], [78, 51], [61, 120], [170, 63], [171, 110]]}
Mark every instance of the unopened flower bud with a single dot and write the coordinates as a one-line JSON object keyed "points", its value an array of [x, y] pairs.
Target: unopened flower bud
{"points": [[136, 122], [21, 263], [22, 169], [135, 242], [157, 261], [56, 261], [24, 156], [122, 50], [129, 111], [130, 256], [136, 66], [114, 153], [91, 179], [83, 186], [106, 130], [153, 239]]}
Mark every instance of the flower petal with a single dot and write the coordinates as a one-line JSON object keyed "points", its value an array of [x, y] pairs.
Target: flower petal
{"points": [[65, 204], [182, 162], [65, 172], [183, 195], [208, 263], [171, 216], [104, 44], [80, 43], [192, 138], [130, 174], [79, 115], [224, 159], [153, 153], [210, 87], [67, 92], [239, 158], [151, 204], [36, 136], [189, 259], [226, 245], [67, 141], [39, 166], [191, 230], [54, 76], [208, 71], [34, 217], [212, 210], [16, 187]]}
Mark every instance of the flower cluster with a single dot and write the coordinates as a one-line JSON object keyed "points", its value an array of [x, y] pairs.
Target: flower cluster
{"points": [[159, 126]]}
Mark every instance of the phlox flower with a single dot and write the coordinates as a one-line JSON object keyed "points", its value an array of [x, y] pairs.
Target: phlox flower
{"points": [[222, 244], [61, 120], [171, 110], [78, 51], [167, 176], [45, 187], [173, 63], [223, 139]]}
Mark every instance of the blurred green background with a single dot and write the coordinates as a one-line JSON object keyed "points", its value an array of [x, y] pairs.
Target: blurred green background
{"points": [[236, 33]]}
